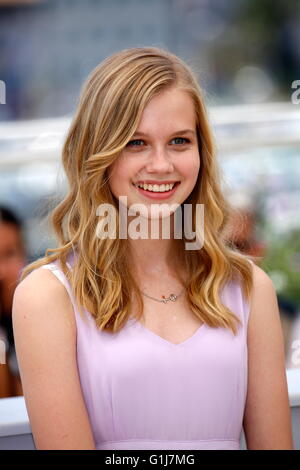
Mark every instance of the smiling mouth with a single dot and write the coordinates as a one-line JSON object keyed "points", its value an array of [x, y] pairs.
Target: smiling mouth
{"points": [[156, 188]]}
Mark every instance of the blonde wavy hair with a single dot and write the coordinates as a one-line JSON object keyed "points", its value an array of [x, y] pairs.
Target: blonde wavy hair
{"points": [[109, 110]]}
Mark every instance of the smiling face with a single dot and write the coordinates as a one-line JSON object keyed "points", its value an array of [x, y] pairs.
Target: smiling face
{"points": [[164, 149]]}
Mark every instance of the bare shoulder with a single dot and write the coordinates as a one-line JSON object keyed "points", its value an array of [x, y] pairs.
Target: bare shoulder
{"points": [[41, 292], [261, 280], [267, 420], [39, 279], [264, 316], [263, 301], [45, 339]]}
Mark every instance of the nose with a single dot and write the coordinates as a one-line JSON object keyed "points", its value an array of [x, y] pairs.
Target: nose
{"points": [[159, 162]]}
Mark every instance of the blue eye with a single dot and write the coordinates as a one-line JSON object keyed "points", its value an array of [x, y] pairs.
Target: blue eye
{"points": [[181, 140], [135, 143], [139, 142]]}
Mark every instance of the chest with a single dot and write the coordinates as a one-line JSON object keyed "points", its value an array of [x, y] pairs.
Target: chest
{"points": [[173, 321]]}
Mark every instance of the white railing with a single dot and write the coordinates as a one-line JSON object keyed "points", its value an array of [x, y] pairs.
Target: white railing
{"points": [[15, 431], [256, 125]]}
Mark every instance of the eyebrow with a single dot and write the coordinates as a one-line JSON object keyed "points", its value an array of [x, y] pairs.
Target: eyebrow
{"points": [[182, 132]]}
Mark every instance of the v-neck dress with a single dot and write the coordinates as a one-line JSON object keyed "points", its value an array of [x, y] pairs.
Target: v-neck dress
{"points": [[144, 392]]}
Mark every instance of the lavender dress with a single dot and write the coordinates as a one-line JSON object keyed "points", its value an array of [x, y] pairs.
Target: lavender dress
{"points": [[143, 392]]}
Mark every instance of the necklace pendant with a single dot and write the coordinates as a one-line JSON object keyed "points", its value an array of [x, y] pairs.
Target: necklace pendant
{"points": [[172, 297]]}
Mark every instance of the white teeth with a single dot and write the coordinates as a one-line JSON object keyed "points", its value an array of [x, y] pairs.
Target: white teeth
{"points": [[156, 188]]}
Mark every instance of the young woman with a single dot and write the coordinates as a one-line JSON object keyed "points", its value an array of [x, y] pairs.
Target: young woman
{"points": [[147, 343]]}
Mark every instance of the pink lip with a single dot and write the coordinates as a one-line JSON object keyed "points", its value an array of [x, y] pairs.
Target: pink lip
{"points": [[151, 195]]}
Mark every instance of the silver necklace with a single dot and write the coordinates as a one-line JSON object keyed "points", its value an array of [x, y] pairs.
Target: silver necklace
{"points": [[172, 297]]}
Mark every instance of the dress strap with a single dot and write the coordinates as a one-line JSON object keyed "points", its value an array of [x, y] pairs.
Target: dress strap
{"points": [[62, 278]]}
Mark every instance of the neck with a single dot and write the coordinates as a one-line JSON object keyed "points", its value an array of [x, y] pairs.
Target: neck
{"points": [[152, 257]]}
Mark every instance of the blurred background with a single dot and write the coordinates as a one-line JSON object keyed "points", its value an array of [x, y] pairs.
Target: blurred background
{"points": [[246, 55]]}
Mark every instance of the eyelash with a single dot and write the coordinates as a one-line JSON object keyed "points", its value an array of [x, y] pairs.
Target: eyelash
{"points": [[130, 144]]}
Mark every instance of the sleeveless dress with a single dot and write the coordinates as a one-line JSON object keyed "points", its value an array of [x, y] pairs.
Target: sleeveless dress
{"points": [[144, 392]]}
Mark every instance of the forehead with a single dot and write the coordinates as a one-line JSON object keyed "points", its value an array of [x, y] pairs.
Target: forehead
{"points": [[169, 111]]}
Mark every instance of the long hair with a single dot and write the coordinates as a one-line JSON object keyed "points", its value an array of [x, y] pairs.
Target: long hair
{"points": [[109, 110]]}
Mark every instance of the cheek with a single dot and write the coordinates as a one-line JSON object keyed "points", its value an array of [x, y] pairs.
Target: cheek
{"points": [[115, 172], [191, 166], [119, 177]]}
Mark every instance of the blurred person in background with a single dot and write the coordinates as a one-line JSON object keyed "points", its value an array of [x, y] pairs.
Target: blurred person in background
{"points": [[12, 260]]}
